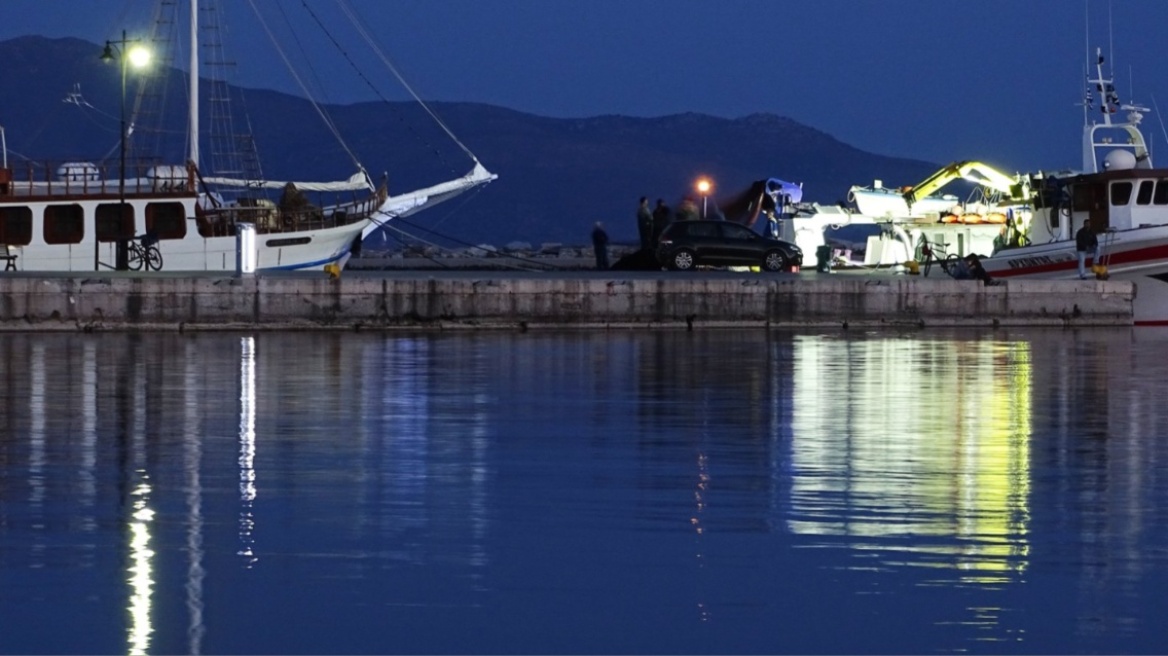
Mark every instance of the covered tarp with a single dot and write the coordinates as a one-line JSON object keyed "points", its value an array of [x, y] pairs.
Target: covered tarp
{"points": [[768, 195]]}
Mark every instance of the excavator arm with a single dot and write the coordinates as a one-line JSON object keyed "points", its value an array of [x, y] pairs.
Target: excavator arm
{"points": [[975, 172]]}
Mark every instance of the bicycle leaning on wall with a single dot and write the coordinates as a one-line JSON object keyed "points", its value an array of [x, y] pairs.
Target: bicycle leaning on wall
{"points": [[144, 254]]}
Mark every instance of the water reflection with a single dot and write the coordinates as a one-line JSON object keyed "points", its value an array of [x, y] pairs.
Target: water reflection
{"points": [[907, 437], [192, 441], [247, 449], [140, 570], [479, 478]]}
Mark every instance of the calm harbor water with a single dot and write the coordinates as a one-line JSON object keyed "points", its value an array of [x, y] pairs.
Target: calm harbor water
{"points": [[584, 492]]}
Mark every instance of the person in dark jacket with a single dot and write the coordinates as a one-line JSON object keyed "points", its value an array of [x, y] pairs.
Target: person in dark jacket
{"points": [[600, 245], [645, 224], [1086, 242], [661, 217]]}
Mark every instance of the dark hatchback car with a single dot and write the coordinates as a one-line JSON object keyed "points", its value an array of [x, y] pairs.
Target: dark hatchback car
{"points": [[687, 244]]}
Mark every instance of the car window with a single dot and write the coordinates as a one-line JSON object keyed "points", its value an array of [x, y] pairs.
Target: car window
{"points": [[735, 231], [702, 230]]}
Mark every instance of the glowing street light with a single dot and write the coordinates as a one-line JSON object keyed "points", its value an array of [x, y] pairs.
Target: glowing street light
{"points": [[137, 56], [704, 186]]}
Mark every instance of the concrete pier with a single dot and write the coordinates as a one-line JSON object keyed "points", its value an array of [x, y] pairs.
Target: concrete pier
{"points": [[460, 300]]}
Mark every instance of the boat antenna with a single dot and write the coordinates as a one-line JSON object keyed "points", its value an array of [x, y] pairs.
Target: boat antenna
{"points": [[1087, 102], [1161, 118], [1087, 31], [1110, 34]]}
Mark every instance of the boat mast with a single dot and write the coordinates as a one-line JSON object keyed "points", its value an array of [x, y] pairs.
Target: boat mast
{"points": [[194, 80]]}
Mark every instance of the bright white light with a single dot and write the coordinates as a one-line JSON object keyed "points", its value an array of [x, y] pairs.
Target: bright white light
{"points": [[704, 185], [138, 56], [141, 576]]}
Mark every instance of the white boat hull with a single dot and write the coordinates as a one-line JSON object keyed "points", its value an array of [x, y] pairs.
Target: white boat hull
{"points": [[195, 250], [1139, 256]]}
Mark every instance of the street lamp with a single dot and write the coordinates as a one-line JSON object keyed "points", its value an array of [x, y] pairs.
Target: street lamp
{"points": [[137, 56], [704, 186]]}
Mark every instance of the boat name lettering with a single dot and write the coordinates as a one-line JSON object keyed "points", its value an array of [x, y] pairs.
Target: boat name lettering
{"points": [[1037, 260]]}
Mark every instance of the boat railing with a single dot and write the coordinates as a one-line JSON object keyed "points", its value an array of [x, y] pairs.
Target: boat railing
{"points": [[269, 217], [49, 179]]}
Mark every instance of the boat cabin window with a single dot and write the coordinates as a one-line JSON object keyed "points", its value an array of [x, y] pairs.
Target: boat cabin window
{"points": [[1121, 194], [15, 226], [115, 221], [166, 220], [1081, 198], [64, 224], [1161, 196], [1144, 197]]}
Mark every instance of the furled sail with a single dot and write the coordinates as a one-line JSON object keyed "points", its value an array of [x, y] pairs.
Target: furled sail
{"points": [[359, 180]]}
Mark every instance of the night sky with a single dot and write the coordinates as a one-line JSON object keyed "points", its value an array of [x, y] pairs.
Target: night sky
{"points": [[940, 80]]}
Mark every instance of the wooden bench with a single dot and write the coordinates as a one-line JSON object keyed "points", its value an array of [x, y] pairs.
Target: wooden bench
{"points": [[9, 256]]}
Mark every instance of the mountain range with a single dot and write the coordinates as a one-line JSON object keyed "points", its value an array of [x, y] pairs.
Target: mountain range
{"points": [[557, 176]]}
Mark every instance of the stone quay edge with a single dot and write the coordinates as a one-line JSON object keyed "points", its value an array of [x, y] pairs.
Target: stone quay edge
{"points": [[468, 300]]}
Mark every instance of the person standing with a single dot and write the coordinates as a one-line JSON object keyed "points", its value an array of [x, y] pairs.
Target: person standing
{"points": [[645, 224], [600, 245], [661, 215], [1086, 242]]}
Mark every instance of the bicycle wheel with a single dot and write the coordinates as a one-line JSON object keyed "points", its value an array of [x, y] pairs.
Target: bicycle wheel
{"points": [[949, 264], [924, 255], [153, 259], [134, 257]]}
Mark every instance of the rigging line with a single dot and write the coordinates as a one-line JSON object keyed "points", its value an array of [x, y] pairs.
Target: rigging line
{"points": [[521, 263], [252, 150], [288, 64], [360, 27], [499, 254], [369, 83], [306, 57]]}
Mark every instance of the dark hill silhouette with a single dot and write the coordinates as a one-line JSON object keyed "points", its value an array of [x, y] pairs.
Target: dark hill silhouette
{"points": [[557, 176]]}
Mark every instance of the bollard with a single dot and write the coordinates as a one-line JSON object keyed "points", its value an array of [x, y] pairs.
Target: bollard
{"points": [[245, 249]]}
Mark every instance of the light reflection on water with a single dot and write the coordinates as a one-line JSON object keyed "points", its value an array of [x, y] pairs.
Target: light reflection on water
{"points": [[931, 441], [732, 491]]}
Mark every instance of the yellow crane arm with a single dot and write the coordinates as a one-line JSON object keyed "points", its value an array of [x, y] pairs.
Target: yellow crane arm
{"points": [[975, 172]]}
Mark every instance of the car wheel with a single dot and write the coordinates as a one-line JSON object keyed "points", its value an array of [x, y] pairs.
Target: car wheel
{"points": [[774, 261], [682, 260]]}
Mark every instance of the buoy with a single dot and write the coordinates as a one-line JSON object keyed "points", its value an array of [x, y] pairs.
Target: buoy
{"points": [[971, 218], [995, 217], [333, 271]]}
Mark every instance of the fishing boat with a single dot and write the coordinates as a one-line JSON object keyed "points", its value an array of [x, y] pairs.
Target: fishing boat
{"points": [[185, 215], [1119, 191], [1024, 225]]}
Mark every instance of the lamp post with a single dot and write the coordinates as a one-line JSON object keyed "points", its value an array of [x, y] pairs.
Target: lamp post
{"points": [[703, 186], [138, 56]]}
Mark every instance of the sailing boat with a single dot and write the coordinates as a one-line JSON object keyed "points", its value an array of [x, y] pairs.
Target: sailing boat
{"points": [[183, 217]]}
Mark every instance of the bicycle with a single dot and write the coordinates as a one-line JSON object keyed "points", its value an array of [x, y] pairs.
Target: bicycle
{"points": [[143, 252], [936, 252]]}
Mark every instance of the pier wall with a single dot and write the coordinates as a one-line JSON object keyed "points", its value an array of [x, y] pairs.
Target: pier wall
{"points": [[500, 301]]}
